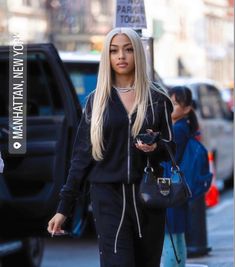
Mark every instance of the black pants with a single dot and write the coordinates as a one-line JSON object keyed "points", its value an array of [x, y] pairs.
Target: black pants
{"points": [[120, 221]]}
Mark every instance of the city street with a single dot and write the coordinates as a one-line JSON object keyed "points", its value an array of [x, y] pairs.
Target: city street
{"points": [[80, 80], [60, 252]]}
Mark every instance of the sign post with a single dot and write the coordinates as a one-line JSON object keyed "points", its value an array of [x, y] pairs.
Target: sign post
{"points": [[131, 14]]}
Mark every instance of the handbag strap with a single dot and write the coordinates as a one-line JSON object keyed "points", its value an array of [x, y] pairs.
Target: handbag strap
{"points": [[175, 166], [148, 163], [169, 150], [172, 242]]}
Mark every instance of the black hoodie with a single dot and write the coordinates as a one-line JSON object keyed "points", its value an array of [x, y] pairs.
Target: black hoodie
{"points": [[122, 162]]}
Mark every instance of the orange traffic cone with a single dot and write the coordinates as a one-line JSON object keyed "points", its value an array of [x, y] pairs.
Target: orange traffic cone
{"points": [[212, 196]]}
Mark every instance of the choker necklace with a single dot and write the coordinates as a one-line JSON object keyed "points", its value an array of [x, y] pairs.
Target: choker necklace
{"points": [[124, 89]]}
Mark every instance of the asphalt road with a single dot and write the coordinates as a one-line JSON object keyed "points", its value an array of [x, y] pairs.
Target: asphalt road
{"points": [[60, 252]]}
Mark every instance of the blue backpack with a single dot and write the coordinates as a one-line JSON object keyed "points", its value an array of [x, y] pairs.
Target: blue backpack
{"points": [[195, 167]]}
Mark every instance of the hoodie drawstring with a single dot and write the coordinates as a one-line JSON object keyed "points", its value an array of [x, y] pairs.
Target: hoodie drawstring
{"points": [[123, 213], [136, 212]]}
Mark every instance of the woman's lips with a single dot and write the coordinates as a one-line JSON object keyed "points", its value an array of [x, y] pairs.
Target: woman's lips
{"points": [[122, 65]]}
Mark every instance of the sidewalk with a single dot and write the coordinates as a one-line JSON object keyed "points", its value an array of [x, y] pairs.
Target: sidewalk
{"points": [[220, 235]]}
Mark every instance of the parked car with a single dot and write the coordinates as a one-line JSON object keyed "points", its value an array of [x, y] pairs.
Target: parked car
{"points": [[30, 183], [216, 122], [228, 97]]}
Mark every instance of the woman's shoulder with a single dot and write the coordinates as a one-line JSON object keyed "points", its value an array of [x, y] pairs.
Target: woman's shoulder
{"points": [[158, 92], [160, 95], [90, 98], [89, 102]]}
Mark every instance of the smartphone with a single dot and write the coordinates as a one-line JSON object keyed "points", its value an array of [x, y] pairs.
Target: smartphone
{"points": [[148, 138]]}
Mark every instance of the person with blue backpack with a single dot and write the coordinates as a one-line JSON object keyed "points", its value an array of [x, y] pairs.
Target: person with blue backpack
{"points": [[191, 156]]}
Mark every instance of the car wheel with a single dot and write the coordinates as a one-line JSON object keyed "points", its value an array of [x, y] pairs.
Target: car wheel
{"points": [[29, 256]]}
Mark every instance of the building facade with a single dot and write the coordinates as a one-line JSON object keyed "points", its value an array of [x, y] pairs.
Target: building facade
{"points": [[25, 17], [80, 24], [69, 24], [192, 38], [219, 43]]}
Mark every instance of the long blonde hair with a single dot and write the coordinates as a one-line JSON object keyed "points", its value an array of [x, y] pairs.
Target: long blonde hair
{"points": [[104, 84]]}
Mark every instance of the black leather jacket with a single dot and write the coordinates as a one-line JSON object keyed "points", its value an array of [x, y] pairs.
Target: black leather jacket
{"points": [[122, 161]]}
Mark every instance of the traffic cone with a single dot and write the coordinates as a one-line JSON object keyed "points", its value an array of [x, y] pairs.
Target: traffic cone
{"points": [[212, 196]]}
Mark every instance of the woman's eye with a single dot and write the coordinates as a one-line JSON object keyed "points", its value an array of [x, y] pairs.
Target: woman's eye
{"points": [[112, 51], [129, 49]]}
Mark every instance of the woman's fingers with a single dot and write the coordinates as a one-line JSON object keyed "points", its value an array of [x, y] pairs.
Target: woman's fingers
{"points": [[54, 225], [50, 225], [56, 228], [144, 147], [149, 131]]}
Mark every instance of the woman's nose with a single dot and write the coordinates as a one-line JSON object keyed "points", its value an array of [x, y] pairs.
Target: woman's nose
{"points": [[121, 54]]}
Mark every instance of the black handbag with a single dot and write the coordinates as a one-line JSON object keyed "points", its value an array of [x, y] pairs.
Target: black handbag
{"points": [[163, 192]]}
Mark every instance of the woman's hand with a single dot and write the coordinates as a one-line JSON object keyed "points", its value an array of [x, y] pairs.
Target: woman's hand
{"points": [[54, 225], [145, 147]]}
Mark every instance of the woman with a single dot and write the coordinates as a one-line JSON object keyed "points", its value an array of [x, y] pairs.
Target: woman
{"points": [[124, 104], [185, 124]]}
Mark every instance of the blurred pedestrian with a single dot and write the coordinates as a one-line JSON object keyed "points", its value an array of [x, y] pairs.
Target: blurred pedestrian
{"points": [[185, 124], [124, 104]]}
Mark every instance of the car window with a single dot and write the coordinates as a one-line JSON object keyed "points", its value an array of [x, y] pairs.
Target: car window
{"points": [[42, 96], [84, 78], [211, 102], [4, 73]]}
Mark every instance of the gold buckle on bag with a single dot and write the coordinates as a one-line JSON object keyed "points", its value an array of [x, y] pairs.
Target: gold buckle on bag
{"points": [[164, 185]]}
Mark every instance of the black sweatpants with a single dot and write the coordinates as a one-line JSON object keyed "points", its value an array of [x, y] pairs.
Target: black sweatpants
{"points": [[128, 235]]}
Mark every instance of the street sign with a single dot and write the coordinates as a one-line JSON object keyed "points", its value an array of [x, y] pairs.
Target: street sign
{"points": [[131, 14]]}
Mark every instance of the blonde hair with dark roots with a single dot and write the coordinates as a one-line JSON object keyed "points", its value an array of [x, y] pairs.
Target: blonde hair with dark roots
{"points": [[104, 84]]}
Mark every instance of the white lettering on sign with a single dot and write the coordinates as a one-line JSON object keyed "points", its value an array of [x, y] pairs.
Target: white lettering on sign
{"points": [[130, 13]]}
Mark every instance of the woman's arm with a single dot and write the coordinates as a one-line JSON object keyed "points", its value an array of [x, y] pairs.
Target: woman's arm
{"points": [[80, 163], [165, 109]]}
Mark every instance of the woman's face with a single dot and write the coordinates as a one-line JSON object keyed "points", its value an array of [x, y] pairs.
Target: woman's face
{"points": [[179, 111], [122, 55]]}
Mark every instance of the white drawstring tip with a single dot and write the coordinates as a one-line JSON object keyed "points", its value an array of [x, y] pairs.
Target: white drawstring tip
{"points": [[136, 211]]}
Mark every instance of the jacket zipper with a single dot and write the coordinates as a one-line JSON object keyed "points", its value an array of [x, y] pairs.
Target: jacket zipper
{"points": [[128, 152]]}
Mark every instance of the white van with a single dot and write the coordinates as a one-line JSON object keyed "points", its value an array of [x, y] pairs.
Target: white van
{"points": [[216, 123]]}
